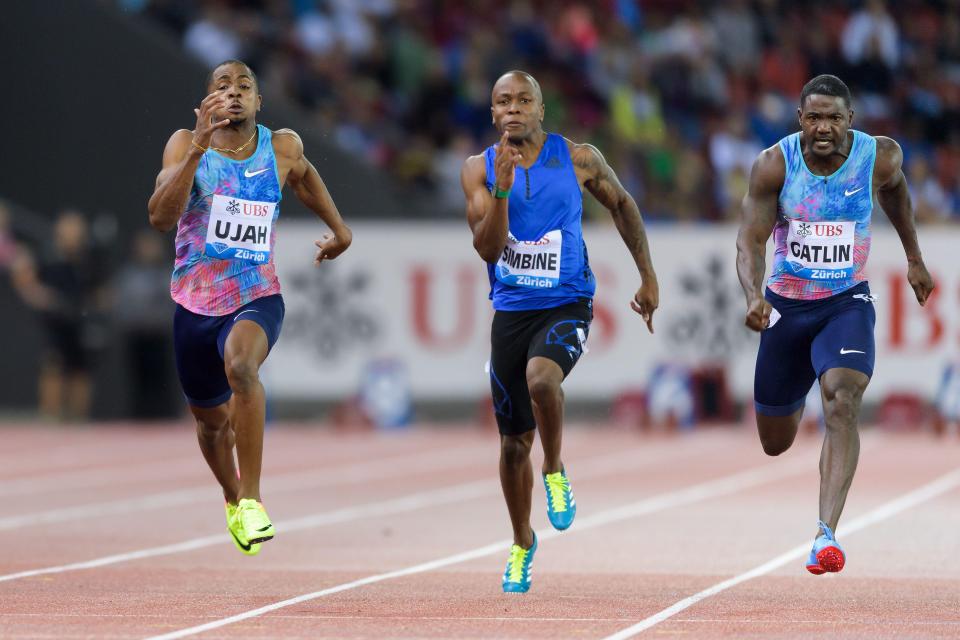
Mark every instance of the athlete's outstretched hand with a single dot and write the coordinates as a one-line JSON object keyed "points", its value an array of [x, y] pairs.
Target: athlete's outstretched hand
{"points": [[331, 245], [206, 125], [505, 163], [646, 301], [919, 278], [758, 314]]}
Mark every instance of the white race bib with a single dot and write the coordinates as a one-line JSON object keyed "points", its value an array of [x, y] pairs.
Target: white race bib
{"points": [[239, 229], [534, 264], [821, 250]]}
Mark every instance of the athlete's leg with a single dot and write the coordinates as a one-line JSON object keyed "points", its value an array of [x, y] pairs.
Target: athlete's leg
{"points": [[778, 432], [245, 350], [516, 478], [843, 355], [215, 437], [783, 375], [842, 391], [544, 377]]}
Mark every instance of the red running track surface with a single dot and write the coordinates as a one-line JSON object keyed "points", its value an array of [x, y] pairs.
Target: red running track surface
{"points": [[118, 532]]}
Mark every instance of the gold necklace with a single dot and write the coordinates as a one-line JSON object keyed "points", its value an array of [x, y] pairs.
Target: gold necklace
{"points": [[238, 149]]}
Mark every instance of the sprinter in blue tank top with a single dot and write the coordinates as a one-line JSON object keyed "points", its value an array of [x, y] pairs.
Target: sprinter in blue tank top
{"points": [[220, 187], [524, 206], [814, 191]]}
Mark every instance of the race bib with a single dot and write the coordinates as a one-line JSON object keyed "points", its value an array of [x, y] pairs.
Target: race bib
{"points": [[821, 250], [534, 264], [239, 229]]}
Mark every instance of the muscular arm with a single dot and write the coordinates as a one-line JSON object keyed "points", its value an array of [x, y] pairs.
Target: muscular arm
{"points": [[487, 216], [169, 199], [603, 184], [894, 197], [756, 225], [600, 180], [310, 189]]}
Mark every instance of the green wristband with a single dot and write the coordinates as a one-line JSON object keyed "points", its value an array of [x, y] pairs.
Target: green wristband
{"points": [[500, 193]]}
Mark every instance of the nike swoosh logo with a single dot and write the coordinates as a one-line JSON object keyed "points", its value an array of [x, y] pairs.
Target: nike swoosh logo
{"points": [[250, 174], [846, 193], [844, 352], [243, 312], [246, 547]]}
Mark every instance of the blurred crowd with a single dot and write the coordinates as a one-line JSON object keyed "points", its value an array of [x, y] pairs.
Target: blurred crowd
{"points": [[88, 294], [680, 95]]}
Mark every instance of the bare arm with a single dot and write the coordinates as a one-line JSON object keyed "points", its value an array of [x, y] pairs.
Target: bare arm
{"points": [[487, 215], [894, 197], [26, 282], [169, 199], [180, 160], [601, 181], [756, 225], [310, 189]]}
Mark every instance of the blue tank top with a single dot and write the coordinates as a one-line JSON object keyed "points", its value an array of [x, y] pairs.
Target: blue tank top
{"points": [[822, 233], [545, 262], [226, 235]]}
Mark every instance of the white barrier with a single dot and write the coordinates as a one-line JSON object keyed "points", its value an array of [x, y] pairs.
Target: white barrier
{"points": [[417, 292]]}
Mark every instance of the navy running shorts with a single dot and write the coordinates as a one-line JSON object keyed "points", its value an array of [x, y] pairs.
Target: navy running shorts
{"points": [[558, 334], [805, 339], [198, 343]]}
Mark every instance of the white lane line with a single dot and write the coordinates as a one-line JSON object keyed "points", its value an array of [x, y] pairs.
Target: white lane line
{"points": [[354, 473], [362, 472], [600, 465], [885, 511], [710, 489], [91, 478]]}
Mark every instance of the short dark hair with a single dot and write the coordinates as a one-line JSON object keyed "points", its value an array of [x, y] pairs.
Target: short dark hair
{"points": [[232, 61], [826, 85], [529, 78]]}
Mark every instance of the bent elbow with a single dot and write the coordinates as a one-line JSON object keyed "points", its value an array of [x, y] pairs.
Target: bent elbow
{"points": [[158, 223], [489, 254]]}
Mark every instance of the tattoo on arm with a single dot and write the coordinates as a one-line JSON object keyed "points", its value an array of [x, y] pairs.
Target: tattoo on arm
{"points": [[604, 185]]}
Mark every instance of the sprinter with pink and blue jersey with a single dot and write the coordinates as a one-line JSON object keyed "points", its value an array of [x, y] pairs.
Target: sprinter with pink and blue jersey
{"points": [[814, 192], [220, 187]]}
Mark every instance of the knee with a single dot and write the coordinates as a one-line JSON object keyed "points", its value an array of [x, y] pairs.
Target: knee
{"points": [[544, 390], [777, 433], [841, 407], [209, 430], [514, 451], [242, 374], [775, 447]]}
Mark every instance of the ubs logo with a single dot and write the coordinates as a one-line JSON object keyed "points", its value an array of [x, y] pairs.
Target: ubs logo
{"points": [[334, 317], [804, 230]]}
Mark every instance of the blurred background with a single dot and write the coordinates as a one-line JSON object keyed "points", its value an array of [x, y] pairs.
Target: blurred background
{"points": [[390, 96]]}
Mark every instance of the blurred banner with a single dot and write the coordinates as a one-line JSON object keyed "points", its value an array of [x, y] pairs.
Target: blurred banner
{"points": [[416, 294]]}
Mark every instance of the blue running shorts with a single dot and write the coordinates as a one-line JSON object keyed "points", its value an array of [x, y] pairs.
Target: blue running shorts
{"points": [[198, 343], [805, 339]]}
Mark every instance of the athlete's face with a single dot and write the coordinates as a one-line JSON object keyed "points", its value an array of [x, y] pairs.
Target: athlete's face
{"points": [[236, 83], [824, 121], [517, 107]]}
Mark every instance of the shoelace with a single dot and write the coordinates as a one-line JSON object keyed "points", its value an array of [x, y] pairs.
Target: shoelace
{"points": [[518, 556], [557, 487]]}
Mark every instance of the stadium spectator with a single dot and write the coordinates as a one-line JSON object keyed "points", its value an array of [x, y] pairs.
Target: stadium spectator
{"points": [[66, 286], [402, 84]]}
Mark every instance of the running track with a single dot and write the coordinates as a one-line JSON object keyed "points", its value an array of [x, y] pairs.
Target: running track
{"points": [[117, 532]]}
